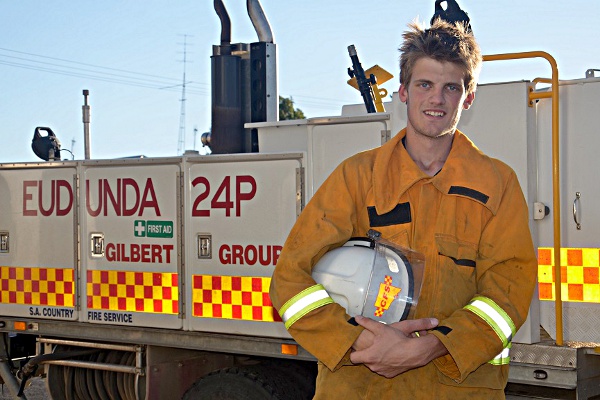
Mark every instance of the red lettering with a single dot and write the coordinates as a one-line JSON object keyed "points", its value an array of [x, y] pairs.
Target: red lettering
{"points": [[61, 183], [239, 195], [156, 253], [108, 195], [265, 255], [223, 190], [225, 254], [110, 252], [135, 252], [26, 197], [168, 248], [250, 255], [124, 256], [127, 212], [196, 212], [276, 253], [88, 205], [124, 199], [245, 189], [152, 202], [56, 188], [145, 253], [238, 254], [138, 253], [46, 212]]}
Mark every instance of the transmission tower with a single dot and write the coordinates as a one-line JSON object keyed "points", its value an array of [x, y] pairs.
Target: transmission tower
{"points": [[181, 141]]}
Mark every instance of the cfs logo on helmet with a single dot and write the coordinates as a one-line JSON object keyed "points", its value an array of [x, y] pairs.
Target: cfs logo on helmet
{"points": [[385, 297]]}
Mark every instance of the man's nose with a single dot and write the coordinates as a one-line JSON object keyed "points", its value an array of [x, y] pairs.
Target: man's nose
{"points": [[437, 96]]}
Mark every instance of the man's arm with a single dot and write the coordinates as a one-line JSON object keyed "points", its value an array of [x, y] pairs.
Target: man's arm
{"points": [[308, 312], [506, 268], [390, 350]]}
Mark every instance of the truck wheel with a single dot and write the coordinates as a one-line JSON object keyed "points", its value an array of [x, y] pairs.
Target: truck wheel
{"points": [[55, 381], [255, 382], [303, 373]]}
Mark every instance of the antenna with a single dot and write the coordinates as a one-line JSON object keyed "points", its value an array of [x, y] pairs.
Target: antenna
{"points": [[181, 141]]}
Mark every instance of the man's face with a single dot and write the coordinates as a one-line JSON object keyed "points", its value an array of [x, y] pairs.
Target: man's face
{"points": [[435, 97]]}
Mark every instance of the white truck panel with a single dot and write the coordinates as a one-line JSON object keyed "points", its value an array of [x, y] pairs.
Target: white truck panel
{"points": [[135, 281], [327, 141], [243, 207], [579, 166], [38, 271]]}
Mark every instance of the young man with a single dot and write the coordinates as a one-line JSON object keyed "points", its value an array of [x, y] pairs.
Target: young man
{"points": [[429, 189]]}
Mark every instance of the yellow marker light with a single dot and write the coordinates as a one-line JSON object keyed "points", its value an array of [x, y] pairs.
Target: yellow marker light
{"points": [[289, 349], [20, 326]]}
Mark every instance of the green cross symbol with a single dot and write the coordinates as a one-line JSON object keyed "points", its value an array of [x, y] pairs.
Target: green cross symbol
{"points": [[139, 228]]}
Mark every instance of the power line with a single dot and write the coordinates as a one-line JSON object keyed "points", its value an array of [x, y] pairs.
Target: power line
{"points": [[128, 77], [123, 77]]}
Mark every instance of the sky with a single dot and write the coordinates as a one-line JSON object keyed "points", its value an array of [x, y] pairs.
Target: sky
{"points": [[129, 54]]}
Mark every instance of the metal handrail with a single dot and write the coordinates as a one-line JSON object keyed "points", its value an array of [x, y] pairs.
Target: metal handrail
{"points": [[553, 93]]}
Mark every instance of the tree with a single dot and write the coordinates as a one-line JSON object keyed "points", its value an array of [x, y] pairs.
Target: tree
{"points": [[287, 110]]}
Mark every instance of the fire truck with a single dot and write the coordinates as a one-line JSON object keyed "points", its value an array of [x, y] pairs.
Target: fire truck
{"points": [[148, 278]]}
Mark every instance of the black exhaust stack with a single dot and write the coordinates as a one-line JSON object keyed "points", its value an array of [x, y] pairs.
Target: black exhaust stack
{"points": [[244, 84]]}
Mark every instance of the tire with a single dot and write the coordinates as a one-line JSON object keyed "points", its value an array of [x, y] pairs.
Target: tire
{"points": [[303, 374], [256, 382]]}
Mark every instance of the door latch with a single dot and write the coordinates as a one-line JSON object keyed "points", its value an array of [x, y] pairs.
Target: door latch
{"points": [[204, 246], [97, 245], [3, 242]]}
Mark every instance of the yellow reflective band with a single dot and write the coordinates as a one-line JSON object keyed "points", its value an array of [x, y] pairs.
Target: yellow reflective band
{"points": [[304, 302], [495, 317], [503, 358]]}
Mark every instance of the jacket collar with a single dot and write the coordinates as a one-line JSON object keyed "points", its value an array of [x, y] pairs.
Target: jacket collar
{"points": [[394, 172]]}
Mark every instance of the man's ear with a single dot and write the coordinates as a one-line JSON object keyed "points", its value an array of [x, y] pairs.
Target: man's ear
{"points": [[403, 93], [469, 100]]}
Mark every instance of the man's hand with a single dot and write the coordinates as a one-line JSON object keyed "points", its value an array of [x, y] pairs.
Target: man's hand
{"points": [[390, 350]]}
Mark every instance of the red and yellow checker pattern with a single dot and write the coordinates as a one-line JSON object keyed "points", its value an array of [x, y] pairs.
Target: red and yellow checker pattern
{"points": [[386, 295], [233, 297], [37, 286], [579, 274], [149, 292]]}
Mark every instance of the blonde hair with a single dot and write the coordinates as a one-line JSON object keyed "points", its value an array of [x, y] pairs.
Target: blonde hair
{"points": [[444, 42]]}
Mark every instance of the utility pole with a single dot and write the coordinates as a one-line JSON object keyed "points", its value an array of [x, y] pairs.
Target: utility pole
{"points": [[85, 109], [181, 141]]}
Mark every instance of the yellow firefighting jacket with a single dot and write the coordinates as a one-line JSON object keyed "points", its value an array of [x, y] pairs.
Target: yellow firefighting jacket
{"points": [[471, 223]]}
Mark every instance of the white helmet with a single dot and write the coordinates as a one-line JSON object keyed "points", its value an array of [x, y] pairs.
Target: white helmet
{"points": [[371, 277]]}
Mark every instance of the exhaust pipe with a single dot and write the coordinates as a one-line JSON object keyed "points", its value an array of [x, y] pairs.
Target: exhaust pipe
{"points": [[259, 20], [263, 58], [225, 26]]}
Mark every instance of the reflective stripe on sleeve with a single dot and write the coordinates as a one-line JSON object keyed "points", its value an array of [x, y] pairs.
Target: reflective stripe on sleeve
{"points": [[495, 317], [304, 302], [503, 358]]}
